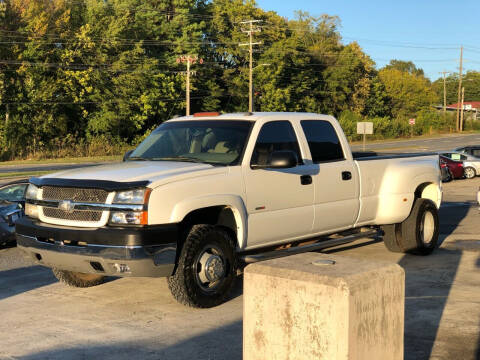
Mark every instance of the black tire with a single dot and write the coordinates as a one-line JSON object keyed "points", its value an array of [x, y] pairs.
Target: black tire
{"points": [[449, 176], [470, 172], [416, 238], [410, 236], [77, 279], [390, 237], [187, 284]]}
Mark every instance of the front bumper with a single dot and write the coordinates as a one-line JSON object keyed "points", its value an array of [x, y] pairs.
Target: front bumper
{"points": [[110, 251]]}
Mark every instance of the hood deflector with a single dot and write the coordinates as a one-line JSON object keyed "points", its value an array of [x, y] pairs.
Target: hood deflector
{"points": [[89, 184]]}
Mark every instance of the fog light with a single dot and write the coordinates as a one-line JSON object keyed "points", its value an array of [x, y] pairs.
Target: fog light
{"points": [[31, 210]]}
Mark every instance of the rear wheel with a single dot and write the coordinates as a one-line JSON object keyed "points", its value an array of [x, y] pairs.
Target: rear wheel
{"points": [[470, 172], [417, 234], [77, 279], [206, 268]]}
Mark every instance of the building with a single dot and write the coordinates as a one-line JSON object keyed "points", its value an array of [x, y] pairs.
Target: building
{"points": [[471, 109]]}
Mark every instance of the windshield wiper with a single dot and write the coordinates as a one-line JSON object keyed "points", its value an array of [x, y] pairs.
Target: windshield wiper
{"points": [[187, 159], [137, 158], [179, 158]]}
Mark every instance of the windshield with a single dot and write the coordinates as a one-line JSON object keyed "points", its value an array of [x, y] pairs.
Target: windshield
{"points": [[219, 142], [14, 192]]}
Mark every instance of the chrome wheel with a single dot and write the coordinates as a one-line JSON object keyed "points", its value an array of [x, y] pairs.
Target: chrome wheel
{"points": [[209, 268], [427, 228]]}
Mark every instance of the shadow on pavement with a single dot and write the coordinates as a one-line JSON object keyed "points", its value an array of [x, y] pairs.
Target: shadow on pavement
{"points": [[478, 342], [20, 280], [428, 282], [224, 342], [450, 217], [350, 247]]}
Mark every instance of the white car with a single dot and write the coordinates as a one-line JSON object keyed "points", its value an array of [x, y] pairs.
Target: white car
{"points": [[205, 192]]}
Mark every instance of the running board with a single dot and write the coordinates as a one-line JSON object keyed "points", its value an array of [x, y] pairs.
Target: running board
{"points": [[249, 259]]}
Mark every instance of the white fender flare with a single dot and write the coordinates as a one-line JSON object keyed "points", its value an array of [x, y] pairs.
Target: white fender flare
{"points": [[233, 202]]}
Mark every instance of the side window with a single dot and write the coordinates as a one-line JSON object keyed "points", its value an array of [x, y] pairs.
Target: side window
{"points": [[322, 141], [476, 152], [275, 136]]}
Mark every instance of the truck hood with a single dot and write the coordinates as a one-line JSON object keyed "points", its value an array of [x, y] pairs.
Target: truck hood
{"points": [[157, 172]]}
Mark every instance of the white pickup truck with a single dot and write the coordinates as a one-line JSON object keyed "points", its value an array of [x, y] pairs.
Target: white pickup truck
{"points": [[205, 193]]}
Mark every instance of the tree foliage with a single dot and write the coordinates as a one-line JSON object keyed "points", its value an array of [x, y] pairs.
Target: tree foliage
{"points": [[95, 71], [405, 66], [470, 81], [409, 93]]}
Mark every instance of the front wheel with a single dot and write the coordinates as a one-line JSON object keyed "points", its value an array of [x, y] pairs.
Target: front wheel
{"points": [[206, 268], [417, 234], [470, 172]]}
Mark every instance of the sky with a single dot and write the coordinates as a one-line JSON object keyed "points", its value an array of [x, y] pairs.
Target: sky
{"points": [[427, 32]]}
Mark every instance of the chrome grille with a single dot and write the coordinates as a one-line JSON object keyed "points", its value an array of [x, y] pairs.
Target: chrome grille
{"points": [[76, 215], [74, 194]]}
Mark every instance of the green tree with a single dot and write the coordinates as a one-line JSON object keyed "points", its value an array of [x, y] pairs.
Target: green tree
{"points": [[409, 93], [405, 66], [470, 81]]}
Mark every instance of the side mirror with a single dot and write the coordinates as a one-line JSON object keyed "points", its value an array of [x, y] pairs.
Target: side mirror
{"points": [[127, 155], [282, 160]]}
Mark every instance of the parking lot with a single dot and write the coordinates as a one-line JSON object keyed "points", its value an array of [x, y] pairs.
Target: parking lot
{"points": [[138, 318]]}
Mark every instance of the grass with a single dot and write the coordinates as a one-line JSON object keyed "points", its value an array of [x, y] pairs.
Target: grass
{"points": [[25, 174], [67, 160]]}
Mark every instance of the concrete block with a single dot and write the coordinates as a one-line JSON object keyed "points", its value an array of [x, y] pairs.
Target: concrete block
{"points": [[293, 309]]}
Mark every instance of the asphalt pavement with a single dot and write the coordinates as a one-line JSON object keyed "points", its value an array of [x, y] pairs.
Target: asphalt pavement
{"points": [[443, 143], [137, 318]]}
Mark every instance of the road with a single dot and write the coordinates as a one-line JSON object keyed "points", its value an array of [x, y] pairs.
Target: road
{"points": [[446, 142], [138, 318]]}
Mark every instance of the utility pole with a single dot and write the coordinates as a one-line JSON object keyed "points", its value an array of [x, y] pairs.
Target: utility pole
{"points": [[459, 89], [461, 109], [444, 93], [189, 59], [250, 44]]}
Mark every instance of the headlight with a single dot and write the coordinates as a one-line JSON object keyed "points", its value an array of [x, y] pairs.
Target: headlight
{"points": [[32, 192], [131, 197], [137, 196], [31, 210]]}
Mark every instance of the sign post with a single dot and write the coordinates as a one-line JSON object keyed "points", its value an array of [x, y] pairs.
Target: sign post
{"points": [[364, 128], [412, 123]]}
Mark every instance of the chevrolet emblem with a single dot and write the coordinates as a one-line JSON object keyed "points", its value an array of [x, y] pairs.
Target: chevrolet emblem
{"points": [[67, 206]]}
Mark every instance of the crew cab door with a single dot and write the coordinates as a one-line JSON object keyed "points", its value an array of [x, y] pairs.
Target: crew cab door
{"points": [[279, 201], [336, 204]]}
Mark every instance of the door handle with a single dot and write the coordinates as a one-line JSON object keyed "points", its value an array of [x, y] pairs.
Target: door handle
{"points": [[306, 179], [346, 175]]}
